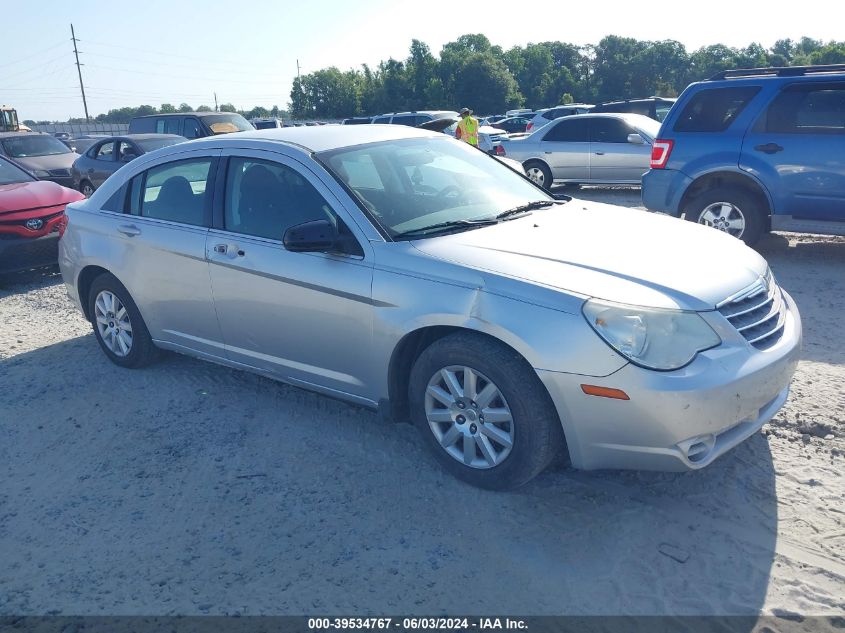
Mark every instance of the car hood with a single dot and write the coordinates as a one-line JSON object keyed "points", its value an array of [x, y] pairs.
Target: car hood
{"points": [[53, 161], [21, 196], [614, 253]]}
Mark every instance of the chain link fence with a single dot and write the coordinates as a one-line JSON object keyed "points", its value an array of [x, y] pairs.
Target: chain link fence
{"points": [[79, 129]]}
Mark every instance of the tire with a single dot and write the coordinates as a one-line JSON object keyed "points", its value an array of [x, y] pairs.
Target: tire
{"points": [[539, 173], [533, 429], [110, 319], [729, 207], [86, 188]]}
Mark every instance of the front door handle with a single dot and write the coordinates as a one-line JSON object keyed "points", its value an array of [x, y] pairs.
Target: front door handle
{"points": [[129, 230], [228, 249], [599, 153], [769, 148]]}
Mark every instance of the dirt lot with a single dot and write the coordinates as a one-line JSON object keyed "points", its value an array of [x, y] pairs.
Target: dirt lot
{"points": [[188, 488]]}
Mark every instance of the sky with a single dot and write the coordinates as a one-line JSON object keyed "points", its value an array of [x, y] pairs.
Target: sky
{"points": [[179, 51]]}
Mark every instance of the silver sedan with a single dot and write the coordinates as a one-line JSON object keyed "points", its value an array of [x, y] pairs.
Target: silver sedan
{"points": [[408, 272], [586, 149]]}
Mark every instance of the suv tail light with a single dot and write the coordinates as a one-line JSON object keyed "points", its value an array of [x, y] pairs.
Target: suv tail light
{"points": [[500, 151], [660, 153], [529, 126]]}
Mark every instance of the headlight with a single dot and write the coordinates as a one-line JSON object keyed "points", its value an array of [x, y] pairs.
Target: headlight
{"points": [[40, 173], [651, 337]]}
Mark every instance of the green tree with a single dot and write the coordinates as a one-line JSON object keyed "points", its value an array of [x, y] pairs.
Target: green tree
{"points": [[167, 108], [184, 107], [204, 108], [228, 107], [485, 84]]}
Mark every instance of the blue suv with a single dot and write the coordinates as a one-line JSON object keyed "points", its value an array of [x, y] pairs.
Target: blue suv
{"points": [[752, 150]]}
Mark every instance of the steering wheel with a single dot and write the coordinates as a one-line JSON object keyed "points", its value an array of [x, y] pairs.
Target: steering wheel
{"points": [[425, 189], [450, 191]]}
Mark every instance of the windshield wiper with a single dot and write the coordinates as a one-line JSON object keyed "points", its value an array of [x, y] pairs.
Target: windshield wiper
{"points": [[446, 226], [525, 208]]}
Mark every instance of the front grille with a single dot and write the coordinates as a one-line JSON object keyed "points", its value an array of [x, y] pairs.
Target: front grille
{"points": [[44, 218], [758, 313], [59, 172]]}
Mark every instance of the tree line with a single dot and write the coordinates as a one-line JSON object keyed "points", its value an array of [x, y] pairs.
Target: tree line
{"points": [[473, 72]]}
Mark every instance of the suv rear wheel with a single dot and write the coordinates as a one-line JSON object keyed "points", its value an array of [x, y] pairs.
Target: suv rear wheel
{"points": [[729, 209]]}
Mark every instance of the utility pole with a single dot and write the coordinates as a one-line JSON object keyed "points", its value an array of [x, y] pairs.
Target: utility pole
{"points": [[297, 69], [79, 71], [215, 102]]}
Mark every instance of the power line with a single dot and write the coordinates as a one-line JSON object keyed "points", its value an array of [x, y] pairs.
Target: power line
{"points": [[79, 70]]}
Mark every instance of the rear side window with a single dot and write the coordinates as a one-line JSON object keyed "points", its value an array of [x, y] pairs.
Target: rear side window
{"points": [[382, 119], [170, 125], [714, 109], [406, 119], [570, 131], [174, 191], [808, 109]]}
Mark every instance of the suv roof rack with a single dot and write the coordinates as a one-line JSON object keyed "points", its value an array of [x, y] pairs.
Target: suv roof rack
{"points": [[777, 71]]}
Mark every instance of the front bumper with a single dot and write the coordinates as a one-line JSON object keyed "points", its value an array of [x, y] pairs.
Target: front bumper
{"points": [[21, 253], [678, 420]]}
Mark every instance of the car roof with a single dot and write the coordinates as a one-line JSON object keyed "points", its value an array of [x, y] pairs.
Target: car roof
{"points": [[15, 134], [319, 138], [192, 113], [630, 117]]}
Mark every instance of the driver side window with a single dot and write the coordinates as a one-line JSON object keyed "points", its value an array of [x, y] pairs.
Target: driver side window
{"points": [[264, 199]]}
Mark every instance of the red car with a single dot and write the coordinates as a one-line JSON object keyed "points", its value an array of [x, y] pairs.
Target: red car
{"points": [[32, 216]]}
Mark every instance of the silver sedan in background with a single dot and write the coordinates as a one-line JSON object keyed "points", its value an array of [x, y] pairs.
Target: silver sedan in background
{"points": [[409, 272], [607, 149]]}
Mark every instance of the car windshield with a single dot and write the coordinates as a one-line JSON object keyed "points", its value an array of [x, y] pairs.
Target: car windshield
{"points": [[151, 144], [27, 145], [410, 184], [226, 123], [10, 174]]}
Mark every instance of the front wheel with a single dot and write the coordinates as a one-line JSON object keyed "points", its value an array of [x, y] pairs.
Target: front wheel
{"points": [[86, 188], [539, 173], [731, 210], [483, 411]]}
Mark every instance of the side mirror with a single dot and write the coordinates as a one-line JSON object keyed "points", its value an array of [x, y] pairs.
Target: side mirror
{"points": [[317, 236], [636, 139]]}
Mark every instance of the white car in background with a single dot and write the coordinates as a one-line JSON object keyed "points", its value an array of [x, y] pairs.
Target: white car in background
{"points": [[488, 137], [547, 115]]}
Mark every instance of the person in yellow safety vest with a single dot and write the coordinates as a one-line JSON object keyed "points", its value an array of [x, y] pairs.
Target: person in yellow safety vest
{"points": [[467, 129]]}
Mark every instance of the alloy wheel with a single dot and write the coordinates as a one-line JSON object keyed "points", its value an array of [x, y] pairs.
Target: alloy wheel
{"points": [[469, 417], [113, 324], [536, 174], [724, 216]]}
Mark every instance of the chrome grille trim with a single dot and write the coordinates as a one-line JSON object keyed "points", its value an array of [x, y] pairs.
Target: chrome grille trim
{"points": [[758, 312]]}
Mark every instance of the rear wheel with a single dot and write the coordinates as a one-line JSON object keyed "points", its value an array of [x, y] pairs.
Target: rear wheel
{"points": [[730, 209], [483, 411], [118, 326], [539, 173]]}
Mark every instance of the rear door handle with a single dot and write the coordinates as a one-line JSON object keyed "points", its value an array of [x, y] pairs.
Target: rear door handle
{"points": [[129, 230], [599, 153], [769, 148]]}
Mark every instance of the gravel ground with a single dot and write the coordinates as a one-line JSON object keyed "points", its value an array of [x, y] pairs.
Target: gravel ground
{"points": [[189, 488]]}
